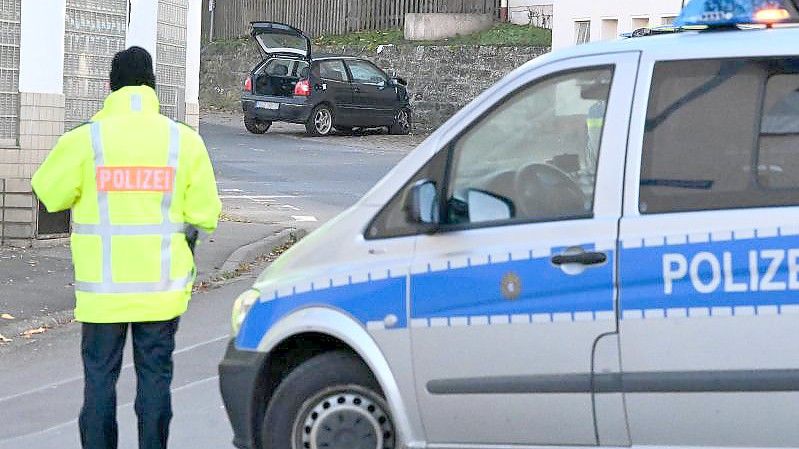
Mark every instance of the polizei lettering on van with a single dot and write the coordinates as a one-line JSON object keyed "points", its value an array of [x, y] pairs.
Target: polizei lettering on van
{"points": [[710, 272]]}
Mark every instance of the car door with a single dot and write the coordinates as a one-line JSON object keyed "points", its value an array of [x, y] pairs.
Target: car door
{"points": [[374, 97], [334, 84], [515, 288], [709, 265]]}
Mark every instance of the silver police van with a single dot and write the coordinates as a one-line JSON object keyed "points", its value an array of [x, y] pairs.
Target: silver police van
{"points": [[600, 250]]}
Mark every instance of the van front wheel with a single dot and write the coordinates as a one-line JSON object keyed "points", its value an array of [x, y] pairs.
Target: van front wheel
{"points": [[331, 401]]}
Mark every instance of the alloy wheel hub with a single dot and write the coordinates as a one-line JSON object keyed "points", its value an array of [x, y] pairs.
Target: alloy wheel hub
{"points": [[323, 121]]}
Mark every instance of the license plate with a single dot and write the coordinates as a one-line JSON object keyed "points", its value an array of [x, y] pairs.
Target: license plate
{"points": [[266, 105]]}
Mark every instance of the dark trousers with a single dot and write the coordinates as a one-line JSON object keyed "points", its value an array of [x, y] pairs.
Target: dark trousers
{"points": [[101, 347]]}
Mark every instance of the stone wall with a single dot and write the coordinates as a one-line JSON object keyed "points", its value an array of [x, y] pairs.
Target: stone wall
{"points": [[441, 79]]}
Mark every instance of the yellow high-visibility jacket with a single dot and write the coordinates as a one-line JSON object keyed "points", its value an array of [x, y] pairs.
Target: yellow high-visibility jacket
{"points": [[134, 180]]}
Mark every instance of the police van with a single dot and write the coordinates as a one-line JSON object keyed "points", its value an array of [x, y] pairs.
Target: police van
{"points": [[600, 250]]}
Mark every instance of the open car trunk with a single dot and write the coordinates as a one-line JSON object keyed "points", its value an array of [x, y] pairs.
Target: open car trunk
{"points": [[286, 51], [278, 76]]}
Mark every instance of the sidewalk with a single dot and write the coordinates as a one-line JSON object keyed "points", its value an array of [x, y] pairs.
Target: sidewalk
{"points": [[36, 284]]}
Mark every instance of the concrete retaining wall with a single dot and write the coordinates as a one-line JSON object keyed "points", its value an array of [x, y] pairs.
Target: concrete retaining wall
{"points": [[441, 79], [436, 26]]}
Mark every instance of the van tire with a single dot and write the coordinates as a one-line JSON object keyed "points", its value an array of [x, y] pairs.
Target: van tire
{"points": [[402, 122], [320, 122], [255, 125], [333, 389]]}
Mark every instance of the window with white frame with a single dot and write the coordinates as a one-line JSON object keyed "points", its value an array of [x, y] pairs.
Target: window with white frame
{"points": [[582, 31], [667, 20]]}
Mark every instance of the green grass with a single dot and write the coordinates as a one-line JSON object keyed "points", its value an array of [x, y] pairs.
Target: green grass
{"points": [[501, 34]]}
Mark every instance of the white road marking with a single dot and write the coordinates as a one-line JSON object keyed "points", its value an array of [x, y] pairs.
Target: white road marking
{"points": [[230, 190], [119, 407], [126, 366], [289, 206], [304, 218], [258, 150]]}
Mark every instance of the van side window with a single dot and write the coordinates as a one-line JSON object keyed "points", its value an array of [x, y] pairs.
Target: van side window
{"points": [[392, 220], [721, 134], [536, 153], [332, 70]]}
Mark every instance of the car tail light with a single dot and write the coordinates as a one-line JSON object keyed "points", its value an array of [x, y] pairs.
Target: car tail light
{"points": [[302, 88], [248, 84]]}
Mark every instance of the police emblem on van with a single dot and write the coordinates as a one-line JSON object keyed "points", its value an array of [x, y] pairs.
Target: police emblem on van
{"points": [[510, 286]]}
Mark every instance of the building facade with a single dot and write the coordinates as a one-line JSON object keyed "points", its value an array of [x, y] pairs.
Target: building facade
{"points": [[580, 21], [55, 56], [531, 12]]}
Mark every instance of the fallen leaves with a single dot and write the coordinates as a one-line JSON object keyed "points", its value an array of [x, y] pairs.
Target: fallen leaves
{"points": [[6, 316], [4, 339], [31, 332]]}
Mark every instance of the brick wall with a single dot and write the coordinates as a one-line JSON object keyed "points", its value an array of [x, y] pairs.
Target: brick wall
{"points": [[441, 79]]}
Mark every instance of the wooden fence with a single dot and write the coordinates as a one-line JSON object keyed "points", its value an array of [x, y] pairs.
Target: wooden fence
{"points": [[231, 18]]}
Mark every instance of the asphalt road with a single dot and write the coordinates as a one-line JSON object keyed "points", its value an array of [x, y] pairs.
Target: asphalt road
{"points": [[41, 384], [280, 177], [283, 176]]}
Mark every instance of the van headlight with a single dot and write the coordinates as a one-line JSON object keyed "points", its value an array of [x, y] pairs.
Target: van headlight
{"points": [[242, 306]]}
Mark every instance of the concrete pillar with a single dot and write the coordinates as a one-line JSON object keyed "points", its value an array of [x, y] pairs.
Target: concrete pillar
{"points": [[41, 121], [143, 26], [193, 37]]}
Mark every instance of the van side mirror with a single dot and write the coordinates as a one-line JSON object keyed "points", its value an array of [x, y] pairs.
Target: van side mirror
{"points": [[486, 206], [421, 204]]}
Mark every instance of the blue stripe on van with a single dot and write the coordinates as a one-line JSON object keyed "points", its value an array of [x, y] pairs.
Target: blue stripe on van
{"points": [[367, 301], [643, 275], [476, 290]]}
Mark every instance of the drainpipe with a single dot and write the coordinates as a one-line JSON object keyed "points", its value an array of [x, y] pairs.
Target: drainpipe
{"points": [[503, 11]]}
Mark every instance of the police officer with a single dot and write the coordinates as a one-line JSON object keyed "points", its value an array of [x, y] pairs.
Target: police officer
{"points": [[136, 182]]}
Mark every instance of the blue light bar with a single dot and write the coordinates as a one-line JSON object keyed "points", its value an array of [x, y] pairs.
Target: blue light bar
{"points": [[724, 13]]}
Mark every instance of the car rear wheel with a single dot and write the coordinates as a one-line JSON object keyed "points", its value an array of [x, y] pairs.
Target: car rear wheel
{"points": [[320, 123], [402, 122], [331, 401], [255, 125]]}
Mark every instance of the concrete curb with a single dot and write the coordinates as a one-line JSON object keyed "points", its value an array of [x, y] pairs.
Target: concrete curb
{"points": [[14, 328], [248, 253]]}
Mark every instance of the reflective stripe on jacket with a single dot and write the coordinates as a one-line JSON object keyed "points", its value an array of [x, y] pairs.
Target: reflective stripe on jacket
{"points": [[134, 180]]}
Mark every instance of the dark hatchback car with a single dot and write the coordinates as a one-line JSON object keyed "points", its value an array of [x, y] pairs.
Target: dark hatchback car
{"points": [[324, 93]]}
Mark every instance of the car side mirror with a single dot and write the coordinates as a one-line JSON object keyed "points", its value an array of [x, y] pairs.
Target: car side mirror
{"points": [[486, 206], [399, 81], [382, 84], [421, 204]]}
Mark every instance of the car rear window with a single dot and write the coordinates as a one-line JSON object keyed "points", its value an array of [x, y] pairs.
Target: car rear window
{"points": [[284, 67], [721, 134]]}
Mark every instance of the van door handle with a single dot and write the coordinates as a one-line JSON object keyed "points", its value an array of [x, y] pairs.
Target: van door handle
{"points": [[587, 258]]}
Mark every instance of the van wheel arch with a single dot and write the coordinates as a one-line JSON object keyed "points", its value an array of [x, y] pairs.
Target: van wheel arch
{"points": [[283, 359]]}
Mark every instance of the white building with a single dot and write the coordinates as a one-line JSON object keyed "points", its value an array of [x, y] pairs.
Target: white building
{"points": [[580, 21], [55, 56]]}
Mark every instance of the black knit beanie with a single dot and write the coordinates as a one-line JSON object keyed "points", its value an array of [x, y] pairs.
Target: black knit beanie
{"points": [[132, 67]]}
